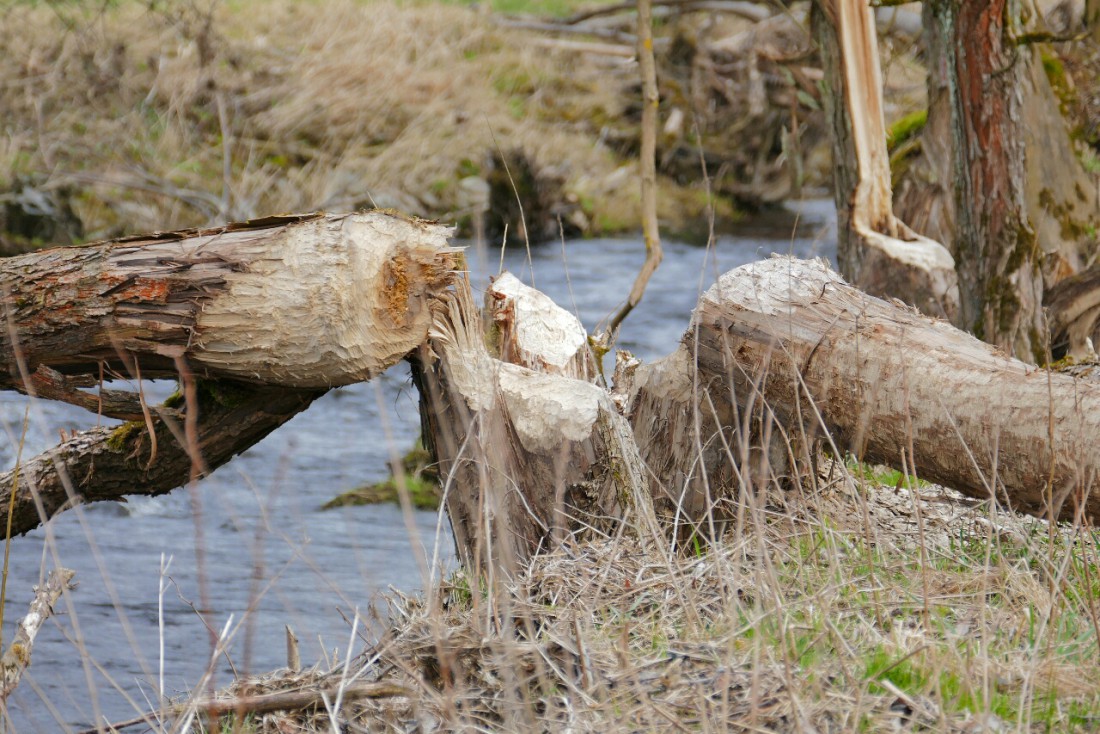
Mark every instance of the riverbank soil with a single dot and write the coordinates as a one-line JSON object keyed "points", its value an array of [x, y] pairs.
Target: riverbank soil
{"points": [[128, 117]]}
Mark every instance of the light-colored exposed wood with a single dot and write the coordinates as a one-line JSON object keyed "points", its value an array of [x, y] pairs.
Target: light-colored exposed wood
{"points": [[526, 457], [876, 251], [17, 656], [894, 387], [532, 331], [305, 302]]}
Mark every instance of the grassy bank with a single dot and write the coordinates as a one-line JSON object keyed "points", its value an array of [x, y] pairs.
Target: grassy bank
{"points": [[855, 607], [127, 117]]}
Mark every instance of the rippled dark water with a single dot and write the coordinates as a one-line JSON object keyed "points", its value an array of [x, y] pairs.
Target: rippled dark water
{"points": [[269, 555]]}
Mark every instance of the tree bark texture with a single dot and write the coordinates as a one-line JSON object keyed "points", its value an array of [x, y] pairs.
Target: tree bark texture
{"points": [[526, 456], [110, 463], [875, 250], [1060, 202], [259, 317], [309, 301], [998, 252], [701, 450], [897, 388]]}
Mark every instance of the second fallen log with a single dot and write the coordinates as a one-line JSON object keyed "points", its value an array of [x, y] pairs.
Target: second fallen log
{"points": [[897, 388]]}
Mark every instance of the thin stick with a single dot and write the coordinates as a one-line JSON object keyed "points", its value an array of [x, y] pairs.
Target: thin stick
{"points": [[286, 701], [18, 655], [11, 507], [648, 164]]}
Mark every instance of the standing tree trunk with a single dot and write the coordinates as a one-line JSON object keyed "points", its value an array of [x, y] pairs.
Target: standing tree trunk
{"points": [[876, 252], [526, 454], [1020, 195]]}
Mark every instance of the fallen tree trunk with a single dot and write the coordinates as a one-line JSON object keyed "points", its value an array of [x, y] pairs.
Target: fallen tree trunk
{"points": [[896, 388], [110, 463], [310, 301], [261, 317]]}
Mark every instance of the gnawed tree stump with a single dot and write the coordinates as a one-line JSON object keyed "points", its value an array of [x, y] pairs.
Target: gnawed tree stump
{"points": [[526, 457], [530, 330], [876, 251], [897, 388]]}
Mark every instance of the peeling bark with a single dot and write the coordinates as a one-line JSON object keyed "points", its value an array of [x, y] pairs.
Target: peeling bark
{"points": [[897, 388]]}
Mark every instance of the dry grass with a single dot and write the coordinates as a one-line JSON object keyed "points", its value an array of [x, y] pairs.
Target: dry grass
{"points": [[147, 119], [818, 616]]}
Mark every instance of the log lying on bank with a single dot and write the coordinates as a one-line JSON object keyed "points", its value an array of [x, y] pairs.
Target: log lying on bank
{"points": [[262, 317], [526, 455], [897, 388], [700, 448], [311, 301]]}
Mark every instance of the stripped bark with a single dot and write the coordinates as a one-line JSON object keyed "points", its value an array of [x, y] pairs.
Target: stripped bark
{"points": [[526, 457], [876, 251], [896, 388], [308, 301], [18, 655]]}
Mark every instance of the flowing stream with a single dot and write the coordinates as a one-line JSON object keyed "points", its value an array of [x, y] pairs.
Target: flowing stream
{"points": [[250, 547]]}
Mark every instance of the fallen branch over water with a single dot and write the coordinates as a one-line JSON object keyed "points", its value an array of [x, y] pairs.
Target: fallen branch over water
{"points": [[259, 319]]}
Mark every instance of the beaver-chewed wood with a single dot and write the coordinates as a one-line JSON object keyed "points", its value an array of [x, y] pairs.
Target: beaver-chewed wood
{"points": [[309, 301], [527, 455], [894, 387]]}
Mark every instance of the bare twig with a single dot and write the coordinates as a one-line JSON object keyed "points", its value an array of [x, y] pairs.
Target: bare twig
{"points": [[283, 701], [18, 655], [648, 164], [748, 10]]}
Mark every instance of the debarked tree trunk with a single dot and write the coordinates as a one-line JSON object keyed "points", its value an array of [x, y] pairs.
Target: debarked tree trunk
{"points": [[310, 301], [893, 387]]}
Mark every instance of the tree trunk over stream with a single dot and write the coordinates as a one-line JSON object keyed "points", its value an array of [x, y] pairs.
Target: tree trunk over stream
{"points": [[256, 319], [310, 301]]}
